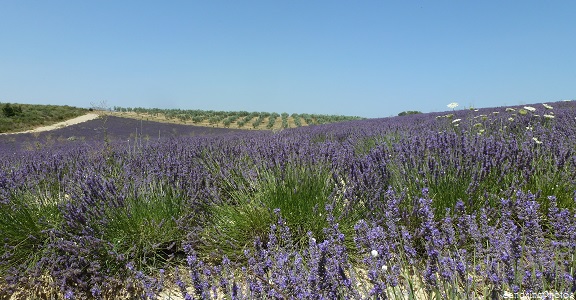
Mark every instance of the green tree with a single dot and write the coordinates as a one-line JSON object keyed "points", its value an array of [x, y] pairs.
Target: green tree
{"points": [[8, 110], [410, 112]]}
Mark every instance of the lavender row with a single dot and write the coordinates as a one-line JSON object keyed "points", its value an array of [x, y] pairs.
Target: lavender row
{"points": [[480, 200]]}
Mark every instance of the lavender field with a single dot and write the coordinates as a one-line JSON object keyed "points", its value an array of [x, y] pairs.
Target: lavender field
{"points": [[463, 204]]}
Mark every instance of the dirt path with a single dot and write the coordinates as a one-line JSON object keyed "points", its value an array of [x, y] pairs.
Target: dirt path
{"points": [[84, 118]]}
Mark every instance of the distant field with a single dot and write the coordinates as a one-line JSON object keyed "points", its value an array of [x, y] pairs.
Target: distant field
{"points": [[127, 131], [136, 125], [231, 119], [22, 117]]}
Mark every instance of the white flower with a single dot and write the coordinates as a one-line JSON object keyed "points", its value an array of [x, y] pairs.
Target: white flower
{"points": [[456, 120], [529, 128], [549, 116], [547, 106], [510, 109], [384, 268], [529, 108], [452, 105], [510, 119], [536, 140], [374, 253]]}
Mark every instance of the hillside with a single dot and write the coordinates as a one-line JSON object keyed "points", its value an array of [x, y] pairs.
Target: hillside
{"points": [[21, 117]]}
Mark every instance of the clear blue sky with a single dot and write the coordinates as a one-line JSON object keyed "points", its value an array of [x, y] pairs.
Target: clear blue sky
{"points": [[363, 58]]}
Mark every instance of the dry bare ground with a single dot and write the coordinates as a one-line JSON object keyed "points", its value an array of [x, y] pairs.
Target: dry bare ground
{"points": [[84, 118]]}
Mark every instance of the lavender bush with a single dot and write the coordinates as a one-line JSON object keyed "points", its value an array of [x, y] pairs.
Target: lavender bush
{"points": [[463, 204]]}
